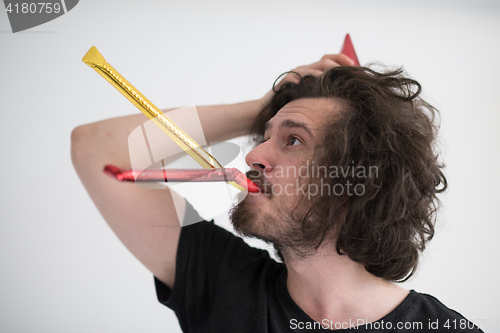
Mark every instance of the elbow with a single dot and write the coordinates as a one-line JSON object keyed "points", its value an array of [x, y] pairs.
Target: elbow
{"points": [[80, 137], [76, 135]]}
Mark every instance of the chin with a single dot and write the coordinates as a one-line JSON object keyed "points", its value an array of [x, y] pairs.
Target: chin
{"points": [[249, 221], [243, 218]]}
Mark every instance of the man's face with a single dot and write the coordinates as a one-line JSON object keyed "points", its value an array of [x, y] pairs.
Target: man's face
{"points": [[278, 166]]}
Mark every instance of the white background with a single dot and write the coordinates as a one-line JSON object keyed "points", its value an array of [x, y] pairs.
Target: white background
{"points": [[61, 267]]}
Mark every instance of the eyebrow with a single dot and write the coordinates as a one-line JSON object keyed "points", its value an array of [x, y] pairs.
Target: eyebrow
{"points": [[290, 124]]}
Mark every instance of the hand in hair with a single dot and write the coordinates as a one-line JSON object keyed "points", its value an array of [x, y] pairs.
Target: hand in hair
{"points": [[327, 62]]}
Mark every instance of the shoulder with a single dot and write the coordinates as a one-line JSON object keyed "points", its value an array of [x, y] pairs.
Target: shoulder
{"points": [[434, 315], [429, 304]]}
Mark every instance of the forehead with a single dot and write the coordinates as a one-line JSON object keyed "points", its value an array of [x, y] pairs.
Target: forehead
{"points": [[311, 112]]}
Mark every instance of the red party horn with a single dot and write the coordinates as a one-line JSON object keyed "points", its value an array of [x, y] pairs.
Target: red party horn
{"points": [[348, 50], [183, 175]]}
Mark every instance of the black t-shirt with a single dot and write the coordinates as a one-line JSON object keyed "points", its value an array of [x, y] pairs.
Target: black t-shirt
{"points": [[224, 285]]}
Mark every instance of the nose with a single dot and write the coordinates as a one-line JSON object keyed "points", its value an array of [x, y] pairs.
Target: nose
{"points": [[260, 158]]}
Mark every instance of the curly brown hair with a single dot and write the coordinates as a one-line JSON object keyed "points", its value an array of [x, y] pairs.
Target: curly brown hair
{"points": [[384, 124]]}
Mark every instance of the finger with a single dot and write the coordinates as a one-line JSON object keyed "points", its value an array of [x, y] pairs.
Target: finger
{"points": [[341, 59], [321, 65], [316, 72], [315, 69], [326, 64], [294, 76], [297, 74]]}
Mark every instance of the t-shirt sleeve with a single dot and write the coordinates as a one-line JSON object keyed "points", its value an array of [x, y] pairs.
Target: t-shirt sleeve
{"points": [[208, 258]]}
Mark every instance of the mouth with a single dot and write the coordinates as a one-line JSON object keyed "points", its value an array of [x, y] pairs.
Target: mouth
{"points": [[264, 187], [262, 184]]}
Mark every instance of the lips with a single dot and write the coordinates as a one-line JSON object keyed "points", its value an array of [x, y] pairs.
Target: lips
{"points": [[257, 179], [261, 188], [264, 187]]}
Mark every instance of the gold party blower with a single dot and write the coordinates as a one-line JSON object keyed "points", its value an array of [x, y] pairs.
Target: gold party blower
{"points": [[233, 176]]}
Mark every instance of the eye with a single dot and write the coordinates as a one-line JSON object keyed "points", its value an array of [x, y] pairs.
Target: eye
{"points": [[294, 141]]}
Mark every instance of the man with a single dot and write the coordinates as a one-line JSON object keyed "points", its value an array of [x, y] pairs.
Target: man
{"points": [[348, 180]]}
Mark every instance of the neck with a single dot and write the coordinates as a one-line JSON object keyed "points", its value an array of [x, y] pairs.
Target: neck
{"points": [[330, 286]]}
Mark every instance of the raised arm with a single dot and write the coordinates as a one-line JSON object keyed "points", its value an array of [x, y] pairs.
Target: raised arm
{"points": [[146, 220]]}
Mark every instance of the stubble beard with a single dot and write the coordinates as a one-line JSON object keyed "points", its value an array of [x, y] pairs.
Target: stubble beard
{"points": [[280, 228]]}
